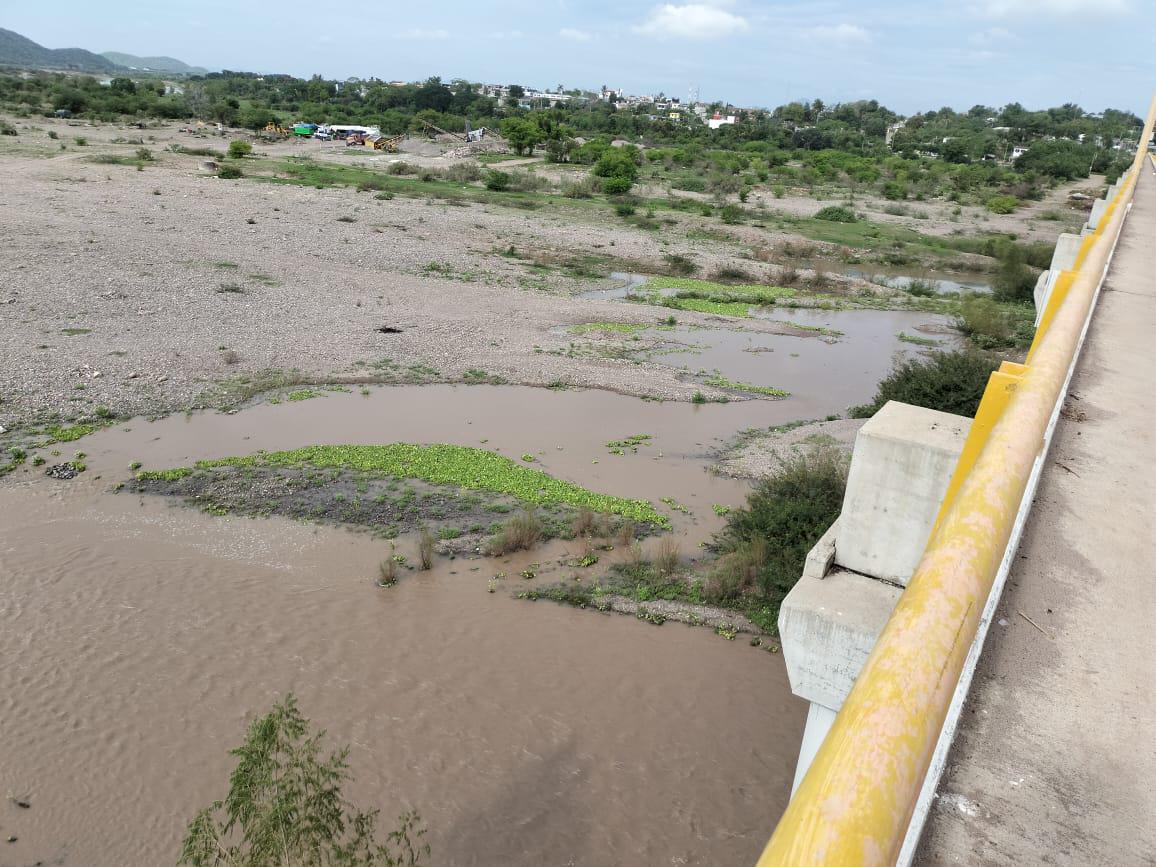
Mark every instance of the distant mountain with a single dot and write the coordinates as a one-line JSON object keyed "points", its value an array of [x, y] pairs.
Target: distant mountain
{"points": [[153, 64], [17, 50]]}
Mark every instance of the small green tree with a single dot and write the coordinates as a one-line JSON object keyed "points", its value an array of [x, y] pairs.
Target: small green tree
{"points": [[523, 135], [239, 148], [285, 807]]}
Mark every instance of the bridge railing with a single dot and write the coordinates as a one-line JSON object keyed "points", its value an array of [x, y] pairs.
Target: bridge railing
{"points": [[880, 762]]}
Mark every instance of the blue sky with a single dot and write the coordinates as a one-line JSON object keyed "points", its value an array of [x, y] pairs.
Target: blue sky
{"points": [[908, 55]]}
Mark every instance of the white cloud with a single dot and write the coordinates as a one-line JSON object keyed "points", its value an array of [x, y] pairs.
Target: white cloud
{"points": [[692, 21], [574, 35], [1017, 8], [991, 36], [840, 34], [418, 33]]}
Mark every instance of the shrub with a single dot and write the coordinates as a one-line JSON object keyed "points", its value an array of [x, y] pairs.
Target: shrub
{"points": [[401, 168], [617, 163], [765, 543], [425, 548], [497, 181], [667, 557], [624, 209], [582, 189], [617, 185], [681, 265], [144, 155], [922, 288], [463, 173], [837, 214], [8, 129], [1002, 204], [947, 381], [239, 148], [517, 534], [778, 191], [894, 191], [981, 319], [285, 806], [229, 172], [1014, 281], [731, 214], [81, 141]]}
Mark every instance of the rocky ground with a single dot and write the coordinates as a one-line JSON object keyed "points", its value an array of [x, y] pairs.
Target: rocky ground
{"points": [[145, 291]]}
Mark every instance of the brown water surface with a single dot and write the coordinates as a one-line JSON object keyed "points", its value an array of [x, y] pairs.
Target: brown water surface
{"points": [[138, 639]]}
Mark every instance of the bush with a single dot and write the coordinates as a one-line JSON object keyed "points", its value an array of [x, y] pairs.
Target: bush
{"points": [[285, 806], [681, 265], [1002, 204], [894, 191], [982, 320], [731, 214], [8, 129], [463, 173], [517, 534], [497, 181], [837, 214], [229, 173], [624, 209], [239, 148], [1014, 281], [617, 163], [947, 381], [401, 168], [617, 185], [765, 544], [144, 155], [582, 189]]}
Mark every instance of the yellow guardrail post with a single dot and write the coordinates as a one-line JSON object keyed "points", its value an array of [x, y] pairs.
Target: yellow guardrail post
{"points": [[855, 802]]}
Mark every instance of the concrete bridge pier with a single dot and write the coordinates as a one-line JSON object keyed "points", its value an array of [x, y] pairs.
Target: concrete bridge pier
{"points": [[902, 463]]}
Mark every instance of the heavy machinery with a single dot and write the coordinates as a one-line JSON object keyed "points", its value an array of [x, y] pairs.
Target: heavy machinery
{"points": [[383, 143]]}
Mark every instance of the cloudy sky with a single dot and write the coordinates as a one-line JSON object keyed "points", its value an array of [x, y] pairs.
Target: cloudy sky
{"points": [[909, 55]]}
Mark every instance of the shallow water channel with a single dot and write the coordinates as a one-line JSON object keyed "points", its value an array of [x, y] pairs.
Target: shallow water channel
{"points": [[140, 636]]}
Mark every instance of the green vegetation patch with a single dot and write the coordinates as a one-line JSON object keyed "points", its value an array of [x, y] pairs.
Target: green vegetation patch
{"points": [[720, 381], [173, 475], [466, 467], [739, 309], [608, 328], [690, 288], [303, 394]]}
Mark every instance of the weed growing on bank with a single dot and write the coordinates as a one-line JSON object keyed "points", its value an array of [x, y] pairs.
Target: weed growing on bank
{"points": [[947, 381]]}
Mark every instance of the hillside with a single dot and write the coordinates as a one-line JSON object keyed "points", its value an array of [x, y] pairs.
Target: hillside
{"points": [[153, 64], [17, 50]]}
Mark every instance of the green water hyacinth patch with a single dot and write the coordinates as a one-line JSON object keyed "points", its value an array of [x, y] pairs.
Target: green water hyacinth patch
{"points": [[442, 464]]}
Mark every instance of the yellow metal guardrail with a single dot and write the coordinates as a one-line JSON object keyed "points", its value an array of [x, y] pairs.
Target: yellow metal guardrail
{"points": [[855, 802]]}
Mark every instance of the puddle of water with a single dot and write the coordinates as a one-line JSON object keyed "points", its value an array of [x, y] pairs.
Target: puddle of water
{"points": [[139, 639], [945, 282], [825, 375], [899, 278], [625, 283]]}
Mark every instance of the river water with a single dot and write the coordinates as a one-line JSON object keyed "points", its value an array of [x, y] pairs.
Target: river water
{"points": [[139, 637]]}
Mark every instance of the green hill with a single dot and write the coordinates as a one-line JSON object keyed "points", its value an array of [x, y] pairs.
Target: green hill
{"points": [[153, 64], [17, 50]]}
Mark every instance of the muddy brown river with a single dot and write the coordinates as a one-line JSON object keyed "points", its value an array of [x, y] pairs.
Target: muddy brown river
{"points": [[138, 638]]}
